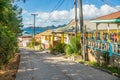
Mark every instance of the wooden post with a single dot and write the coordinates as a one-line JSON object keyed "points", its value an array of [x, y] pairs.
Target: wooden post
{"points": [[52, 39], [118, 32], [34, 29], [62, 37], [49, 40], [82, 29], [45, 37], [96, 30], [76, 21], [85, 32], [86, 43], [108, 37]]}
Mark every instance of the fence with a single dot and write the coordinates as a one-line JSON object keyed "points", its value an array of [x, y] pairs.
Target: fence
{"points": [[103, 46], [105, 43]]}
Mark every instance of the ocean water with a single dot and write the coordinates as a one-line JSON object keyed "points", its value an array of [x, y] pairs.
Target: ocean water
{"points": [[30, 30]]}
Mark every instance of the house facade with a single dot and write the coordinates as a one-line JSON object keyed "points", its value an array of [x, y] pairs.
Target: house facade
{"points": [[24, 40]]}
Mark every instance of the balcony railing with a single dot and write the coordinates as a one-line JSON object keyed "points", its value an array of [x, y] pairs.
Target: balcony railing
{"points": [[104, 46]]}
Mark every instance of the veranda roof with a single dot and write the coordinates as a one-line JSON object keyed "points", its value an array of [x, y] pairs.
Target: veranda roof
{"points": [[47, 32], [110, 18]]}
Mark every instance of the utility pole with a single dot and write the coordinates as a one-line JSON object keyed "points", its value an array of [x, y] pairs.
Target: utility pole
{"points": [[76, 21], [82, 29], [34, 29]]}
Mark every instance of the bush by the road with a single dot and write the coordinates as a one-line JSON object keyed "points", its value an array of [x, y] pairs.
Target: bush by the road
{"points": [[8, 44], [58, 48]]}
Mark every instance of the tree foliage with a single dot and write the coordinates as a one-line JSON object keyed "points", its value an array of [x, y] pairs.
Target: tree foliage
{"points": [[10, 23]]}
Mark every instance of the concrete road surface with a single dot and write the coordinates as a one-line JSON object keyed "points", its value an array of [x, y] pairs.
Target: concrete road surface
{"points": [[35, 65]]}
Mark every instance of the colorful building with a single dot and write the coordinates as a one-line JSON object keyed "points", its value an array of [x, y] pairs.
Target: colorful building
{"points": [[24, 40]]}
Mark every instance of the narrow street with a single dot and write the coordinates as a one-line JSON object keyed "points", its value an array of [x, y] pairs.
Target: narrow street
{"points": [[35, 65]]}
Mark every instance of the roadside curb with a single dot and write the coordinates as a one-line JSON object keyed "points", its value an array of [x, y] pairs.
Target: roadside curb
{"points": [[114, 74], [107, 71]]}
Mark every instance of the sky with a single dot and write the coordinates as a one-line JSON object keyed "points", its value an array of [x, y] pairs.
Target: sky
{"points": [[58, 12]]}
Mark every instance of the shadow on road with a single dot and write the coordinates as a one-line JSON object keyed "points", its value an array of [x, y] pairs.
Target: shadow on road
{"points": [[37, 65]]}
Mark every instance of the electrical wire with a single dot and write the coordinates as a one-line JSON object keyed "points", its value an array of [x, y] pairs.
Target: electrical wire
{"points": [[57, 6], [108, 3], [60, 4]]}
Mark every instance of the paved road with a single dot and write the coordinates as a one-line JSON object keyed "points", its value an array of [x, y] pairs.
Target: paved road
{"points": [[35, 65]]}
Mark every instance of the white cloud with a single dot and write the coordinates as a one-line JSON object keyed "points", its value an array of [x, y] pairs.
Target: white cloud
{"points": [[64, 16], [91, 11], [24, 11], [105, 9]]}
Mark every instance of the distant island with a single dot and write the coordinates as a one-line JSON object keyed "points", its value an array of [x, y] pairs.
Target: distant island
{"points": [[29, 30]]}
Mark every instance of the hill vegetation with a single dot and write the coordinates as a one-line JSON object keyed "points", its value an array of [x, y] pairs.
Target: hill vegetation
{"points": [[42, 29]]}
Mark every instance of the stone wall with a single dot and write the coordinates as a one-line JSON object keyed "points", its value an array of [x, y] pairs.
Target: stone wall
{"points": [[97, 56], [115, 61]]}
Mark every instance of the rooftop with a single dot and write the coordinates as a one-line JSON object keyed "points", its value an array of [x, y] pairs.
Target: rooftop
{"points": [[115, 15]]}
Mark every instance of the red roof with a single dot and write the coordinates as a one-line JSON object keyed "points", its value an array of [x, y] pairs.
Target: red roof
{"points": [[115, 15]]}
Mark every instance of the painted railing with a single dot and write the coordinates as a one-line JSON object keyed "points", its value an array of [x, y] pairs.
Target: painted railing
{"points": [[104, 46], [116, 48], [113, 37]]}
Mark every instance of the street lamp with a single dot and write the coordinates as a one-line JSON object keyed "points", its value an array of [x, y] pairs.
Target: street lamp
{"points": [[34, 29]]}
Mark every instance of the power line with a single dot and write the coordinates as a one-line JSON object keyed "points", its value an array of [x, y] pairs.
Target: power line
{"points": [[57, 6], [68, 6], [108, 3]]}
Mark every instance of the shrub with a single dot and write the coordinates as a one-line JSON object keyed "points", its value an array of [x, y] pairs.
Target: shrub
{"points": [[59, 48], [32, 42], [106, 58], [74, 48], [8, 44]]}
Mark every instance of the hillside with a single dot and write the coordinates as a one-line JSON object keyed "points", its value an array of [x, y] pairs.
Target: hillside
{"points": [[41, 29]]}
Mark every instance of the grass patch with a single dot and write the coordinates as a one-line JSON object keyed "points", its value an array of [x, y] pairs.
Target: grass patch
{"points": [[107, 67], [112, 69]]}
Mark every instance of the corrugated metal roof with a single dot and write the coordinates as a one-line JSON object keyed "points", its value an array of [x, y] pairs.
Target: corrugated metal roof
{"points": [[115, 15], [47, 32]]}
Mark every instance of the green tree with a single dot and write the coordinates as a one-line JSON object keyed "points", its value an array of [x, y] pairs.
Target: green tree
{"points": [[10, 23]]}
